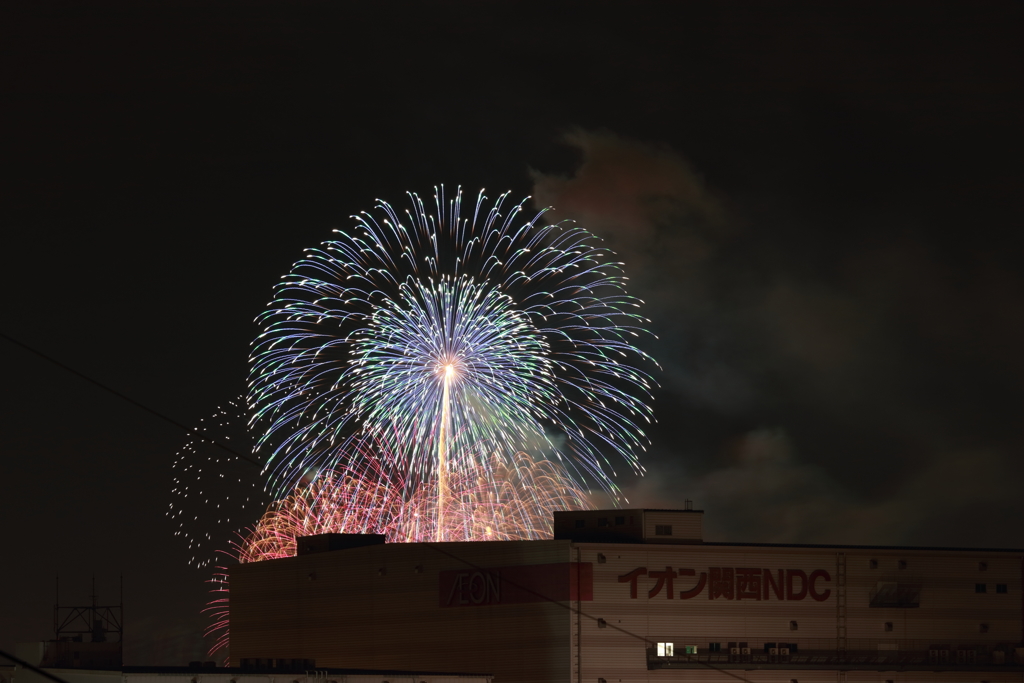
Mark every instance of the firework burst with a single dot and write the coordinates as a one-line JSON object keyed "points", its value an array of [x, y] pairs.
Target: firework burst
{"points": [[215, 492], [504, 499], [451, 339]]}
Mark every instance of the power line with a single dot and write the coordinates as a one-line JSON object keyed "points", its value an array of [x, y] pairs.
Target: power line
{"points": [[30, 667], [115, 392], [254, 462], [574, 610]]}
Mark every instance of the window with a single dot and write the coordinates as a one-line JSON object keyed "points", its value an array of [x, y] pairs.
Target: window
{"points": [[982, 566], [620, 521], [602, 521], [714, 647], [666, 650], [981, 588], [902, 564], [662, 529], [1001, 588], [580, 523], [982, 628], [888, 626], [690, 649], [793, 626], [873, 564]]}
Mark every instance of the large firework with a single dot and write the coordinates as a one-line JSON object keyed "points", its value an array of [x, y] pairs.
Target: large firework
{"points": [[457, 341]]}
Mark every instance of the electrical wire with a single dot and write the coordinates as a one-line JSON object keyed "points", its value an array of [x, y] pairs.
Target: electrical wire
{"points": [[35, 669], [115, 392], [179, 425]]}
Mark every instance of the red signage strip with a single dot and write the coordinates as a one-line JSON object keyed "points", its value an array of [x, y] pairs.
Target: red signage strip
{"points": [[560, 581]]}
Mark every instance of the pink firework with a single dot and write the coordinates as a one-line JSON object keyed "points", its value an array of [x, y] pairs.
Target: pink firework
{"points": [[501, 500]]}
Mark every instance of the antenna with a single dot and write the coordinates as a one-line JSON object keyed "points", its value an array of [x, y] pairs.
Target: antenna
{"points": [[72, 623]]}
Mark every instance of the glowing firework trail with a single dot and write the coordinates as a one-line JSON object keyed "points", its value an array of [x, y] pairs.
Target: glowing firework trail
{"points": [[442, 452], [508, 499], [451, 339]]}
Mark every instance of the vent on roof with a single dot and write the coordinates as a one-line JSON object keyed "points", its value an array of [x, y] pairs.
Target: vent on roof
{"points": [[325, 543]]}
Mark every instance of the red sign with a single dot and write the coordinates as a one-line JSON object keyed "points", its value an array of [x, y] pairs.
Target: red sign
{"points": [[558, 582], [732, 583]]}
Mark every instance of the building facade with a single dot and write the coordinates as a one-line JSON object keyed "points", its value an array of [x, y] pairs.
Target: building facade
{"points": [[636, 595]]}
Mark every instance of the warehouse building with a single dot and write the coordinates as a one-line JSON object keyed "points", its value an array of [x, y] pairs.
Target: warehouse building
{"points": [[623, 596]]}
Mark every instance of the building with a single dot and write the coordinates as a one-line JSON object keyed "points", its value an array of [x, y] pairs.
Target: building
{"points": [[87, 649], [275, 672], [637, 595], [288, 674]]}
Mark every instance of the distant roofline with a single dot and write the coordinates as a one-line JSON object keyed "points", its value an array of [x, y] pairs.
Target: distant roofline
{"points": [[262, 671], [576, 512], [870, 547], [809, 545]]}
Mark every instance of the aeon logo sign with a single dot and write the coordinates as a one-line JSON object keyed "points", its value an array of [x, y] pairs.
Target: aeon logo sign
{"points": [[487, 586], [474, 588], [731, 583]]}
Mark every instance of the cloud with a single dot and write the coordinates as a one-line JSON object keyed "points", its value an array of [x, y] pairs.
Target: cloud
{"points": [[817, 388], [648, 203], [768, 494]]}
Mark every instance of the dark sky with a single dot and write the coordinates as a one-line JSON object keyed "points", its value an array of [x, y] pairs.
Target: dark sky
{"points": [[821, 203]]}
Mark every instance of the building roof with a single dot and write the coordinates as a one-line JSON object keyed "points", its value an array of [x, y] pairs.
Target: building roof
{"points": [[179, 670]]}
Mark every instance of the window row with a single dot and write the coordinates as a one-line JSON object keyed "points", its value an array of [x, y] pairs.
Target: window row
{"points": [[983, 588], [888, 627], [620, 520], [902, 564]]}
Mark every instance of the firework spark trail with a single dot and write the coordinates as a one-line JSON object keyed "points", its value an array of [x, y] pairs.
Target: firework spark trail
{"points": [[503, 499], [214, 493], [525, 327]]}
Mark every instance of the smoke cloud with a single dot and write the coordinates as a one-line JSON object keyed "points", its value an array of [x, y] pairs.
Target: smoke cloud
{"points": [[815, 387]]}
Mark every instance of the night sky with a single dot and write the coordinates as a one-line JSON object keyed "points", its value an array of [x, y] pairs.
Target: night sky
{"points": [[821, 204]]}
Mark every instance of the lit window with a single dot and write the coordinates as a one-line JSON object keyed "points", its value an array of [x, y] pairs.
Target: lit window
{"points": [[690, 649], [666, 650], [1001, 588], [980, 588], [663, 529]]}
